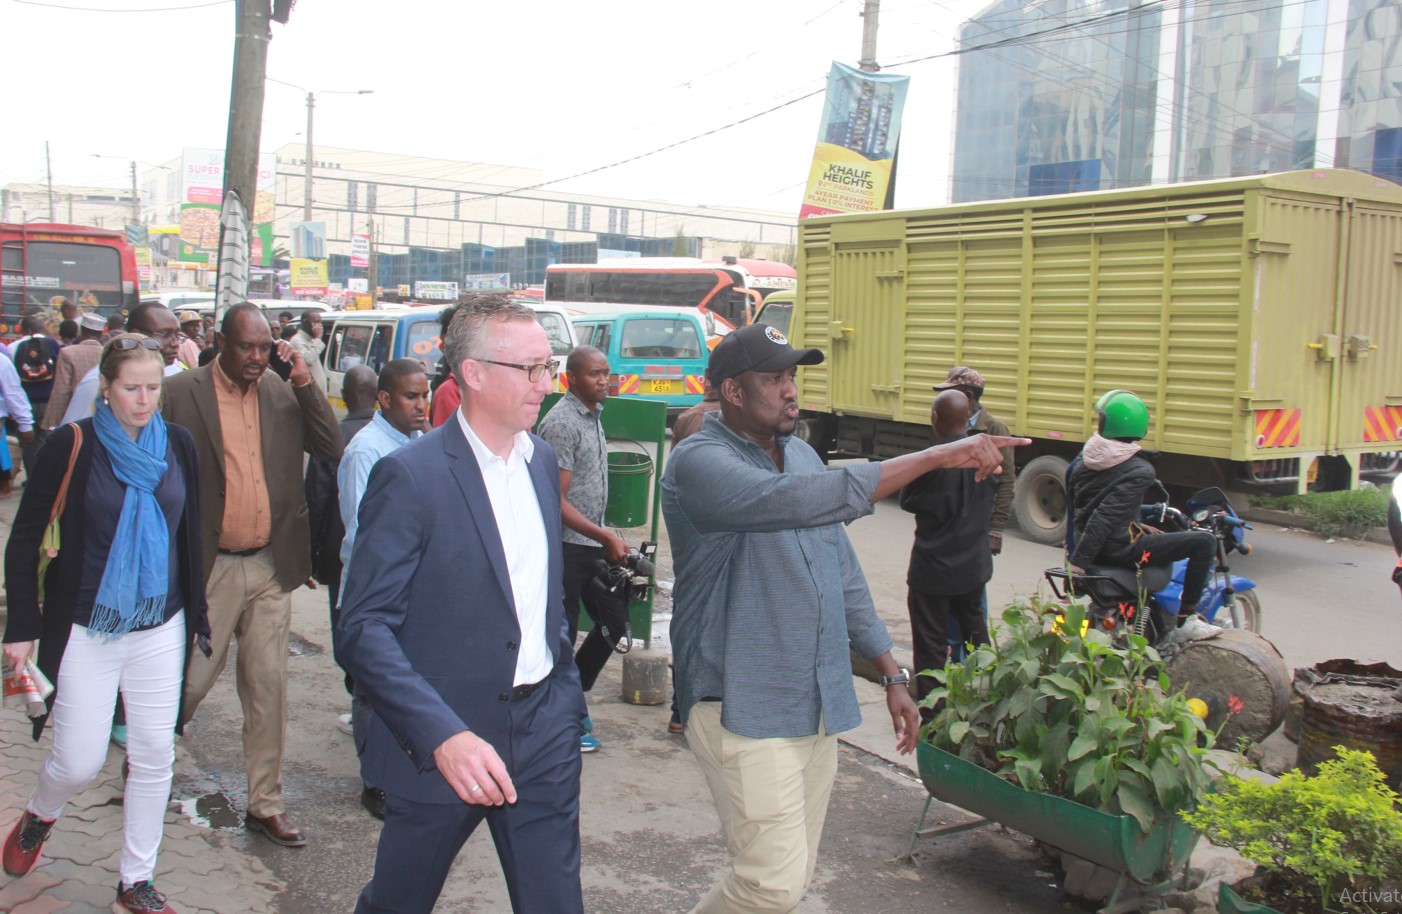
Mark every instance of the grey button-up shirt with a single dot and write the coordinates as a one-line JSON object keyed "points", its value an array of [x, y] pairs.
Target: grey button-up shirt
{"points": [[580, 446], [768, 594]]}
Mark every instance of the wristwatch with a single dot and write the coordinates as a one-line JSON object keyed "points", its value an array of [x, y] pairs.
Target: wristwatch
{"points": [[901, 678]]}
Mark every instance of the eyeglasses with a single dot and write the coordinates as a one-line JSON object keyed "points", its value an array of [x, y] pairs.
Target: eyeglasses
{"points": [[534, 373], [127, 343]]}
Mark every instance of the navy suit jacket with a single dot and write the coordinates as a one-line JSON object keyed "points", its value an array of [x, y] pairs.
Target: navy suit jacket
{"points": [[428, 623]]}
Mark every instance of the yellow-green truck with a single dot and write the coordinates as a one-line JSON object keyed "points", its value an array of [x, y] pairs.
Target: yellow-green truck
{"points": [[1260, 319]]}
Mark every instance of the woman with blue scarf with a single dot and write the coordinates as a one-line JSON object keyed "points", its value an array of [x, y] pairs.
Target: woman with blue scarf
{"points": [[123, 603]]}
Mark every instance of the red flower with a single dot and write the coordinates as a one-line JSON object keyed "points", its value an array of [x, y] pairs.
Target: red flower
{"points": [[1234, 706], [1127, 610], [1144, 559]]}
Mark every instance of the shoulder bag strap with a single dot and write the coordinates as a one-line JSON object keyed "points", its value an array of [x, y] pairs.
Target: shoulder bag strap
{"points": [[62, 500]]}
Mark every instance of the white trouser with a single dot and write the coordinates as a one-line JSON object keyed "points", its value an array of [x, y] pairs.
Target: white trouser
{"points": [[147, 666]]}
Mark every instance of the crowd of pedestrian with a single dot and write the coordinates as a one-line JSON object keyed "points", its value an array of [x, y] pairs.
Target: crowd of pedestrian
{"points": [[458, 548]]}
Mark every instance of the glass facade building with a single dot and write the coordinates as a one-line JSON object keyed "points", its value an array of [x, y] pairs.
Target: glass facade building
{"points": [[1071, 95]]}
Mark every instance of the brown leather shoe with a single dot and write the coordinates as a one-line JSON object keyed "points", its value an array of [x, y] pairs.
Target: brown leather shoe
{"points": [[276, 828]]}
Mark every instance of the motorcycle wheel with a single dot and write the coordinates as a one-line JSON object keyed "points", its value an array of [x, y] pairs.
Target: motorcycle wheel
{"points": [[1250, 608]]}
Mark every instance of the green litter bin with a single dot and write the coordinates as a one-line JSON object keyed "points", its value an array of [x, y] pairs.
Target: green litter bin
{"points": [[630, 479]]}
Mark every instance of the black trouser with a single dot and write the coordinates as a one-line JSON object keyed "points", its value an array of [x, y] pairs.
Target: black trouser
{"points": [[333, 597], [929, 615], [603, 608], [1197, 546], [30, 452]]}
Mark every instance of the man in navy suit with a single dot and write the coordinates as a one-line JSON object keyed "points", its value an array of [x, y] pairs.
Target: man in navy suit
{"points": [[452, 622]]}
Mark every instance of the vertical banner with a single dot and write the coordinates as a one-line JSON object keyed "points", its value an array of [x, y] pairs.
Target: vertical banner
{"points": [[857, 139], [360, 251]]}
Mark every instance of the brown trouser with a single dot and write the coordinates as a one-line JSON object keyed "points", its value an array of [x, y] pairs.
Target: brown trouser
{"points": [[246, 601]]}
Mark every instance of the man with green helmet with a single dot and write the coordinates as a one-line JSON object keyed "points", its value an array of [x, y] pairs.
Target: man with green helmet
{"points": [[1109, 483]]}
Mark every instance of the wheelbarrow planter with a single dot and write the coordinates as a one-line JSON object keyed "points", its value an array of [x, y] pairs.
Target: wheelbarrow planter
{"points": [[1229, 902], [1148, 863]]}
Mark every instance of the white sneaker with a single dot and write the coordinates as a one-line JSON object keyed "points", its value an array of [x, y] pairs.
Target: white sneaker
{"points": [[1195, 629], [343, 723]]}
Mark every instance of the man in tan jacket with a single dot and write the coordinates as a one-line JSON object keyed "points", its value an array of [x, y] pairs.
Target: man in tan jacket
{"points": [[74, 362], [251, 429]]}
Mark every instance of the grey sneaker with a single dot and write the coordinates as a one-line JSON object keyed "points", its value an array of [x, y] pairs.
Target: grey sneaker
{"points": [[1195, 629]]}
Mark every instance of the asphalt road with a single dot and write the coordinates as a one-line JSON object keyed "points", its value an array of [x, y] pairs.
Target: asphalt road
{"points": [[1320, 600]]}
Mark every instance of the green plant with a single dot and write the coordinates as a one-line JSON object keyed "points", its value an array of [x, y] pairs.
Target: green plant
{"points": [[1058, 708], [1329, 840], [1348, 513]]}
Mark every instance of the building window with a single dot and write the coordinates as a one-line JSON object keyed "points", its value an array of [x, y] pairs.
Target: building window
{"points": [[584, 222], [570, 214], [1387, 153], [352, 196], [372, 191], [1063, 177]]}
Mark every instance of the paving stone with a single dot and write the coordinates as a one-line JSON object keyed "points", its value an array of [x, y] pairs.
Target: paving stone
{"points": [[18, 891], [44, 904], [88, 893]]}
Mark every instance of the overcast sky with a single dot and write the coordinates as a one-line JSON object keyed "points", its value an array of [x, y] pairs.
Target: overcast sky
{"points": [[561, 86]]}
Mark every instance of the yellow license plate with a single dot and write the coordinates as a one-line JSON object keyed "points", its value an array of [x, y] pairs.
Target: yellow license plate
{"points": [[664, 387]]}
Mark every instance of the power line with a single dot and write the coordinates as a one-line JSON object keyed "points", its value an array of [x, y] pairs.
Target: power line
{"points": [[90, 9]]}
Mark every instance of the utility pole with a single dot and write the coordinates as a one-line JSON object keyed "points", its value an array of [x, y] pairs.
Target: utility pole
{"points": [[871, 14], [49, 172], [251, 38], [135, 197], [307, 180], [372, 270]]}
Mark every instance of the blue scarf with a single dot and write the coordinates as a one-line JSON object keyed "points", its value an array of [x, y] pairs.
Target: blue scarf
{"points": [[133, 590]]}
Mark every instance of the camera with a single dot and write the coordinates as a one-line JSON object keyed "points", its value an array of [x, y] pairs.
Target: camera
{"points": [[628, 582]]}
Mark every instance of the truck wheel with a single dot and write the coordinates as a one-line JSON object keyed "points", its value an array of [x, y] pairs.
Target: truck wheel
{"points": [[1039, 500]]}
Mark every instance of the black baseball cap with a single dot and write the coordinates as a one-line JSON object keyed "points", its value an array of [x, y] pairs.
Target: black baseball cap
{"points": [[758, 347]]}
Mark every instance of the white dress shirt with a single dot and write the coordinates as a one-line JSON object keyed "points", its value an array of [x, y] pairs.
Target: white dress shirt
{"points": [[522, 530], [14, 402]]}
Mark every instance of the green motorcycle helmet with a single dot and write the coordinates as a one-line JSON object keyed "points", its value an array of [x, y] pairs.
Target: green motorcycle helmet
{"points": [[1122, 416]]}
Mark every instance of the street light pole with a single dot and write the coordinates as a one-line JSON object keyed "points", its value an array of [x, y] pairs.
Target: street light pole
{"points": [[307, 180]]}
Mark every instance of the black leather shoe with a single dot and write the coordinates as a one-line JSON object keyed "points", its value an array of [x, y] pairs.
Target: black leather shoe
{"points": [[373, 799], [276, 828]]}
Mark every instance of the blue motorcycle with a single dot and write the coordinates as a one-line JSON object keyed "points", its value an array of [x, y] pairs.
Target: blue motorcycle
{"points": [[1228, 600]]}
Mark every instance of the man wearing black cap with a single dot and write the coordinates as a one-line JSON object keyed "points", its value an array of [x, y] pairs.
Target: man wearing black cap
{"points": [[768, 599]]}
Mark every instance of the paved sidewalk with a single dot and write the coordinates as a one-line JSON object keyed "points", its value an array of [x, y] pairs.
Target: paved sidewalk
{"points": [[78, 870], [650, 838]]}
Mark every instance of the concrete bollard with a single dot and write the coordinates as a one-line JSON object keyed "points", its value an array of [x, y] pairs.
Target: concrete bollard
{"points": [[645, 677]]}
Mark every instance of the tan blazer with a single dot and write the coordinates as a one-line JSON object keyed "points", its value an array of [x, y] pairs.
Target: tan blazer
{"points": [[293, 420], [73, 362]]}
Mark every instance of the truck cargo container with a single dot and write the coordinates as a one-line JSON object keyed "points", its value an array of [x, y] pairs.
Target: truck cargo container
{"points": [[1258, 317]]}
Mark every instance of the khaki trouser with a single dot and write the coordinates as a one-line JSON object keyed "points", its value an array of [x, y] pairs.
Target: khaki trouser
{"points": [[772, 797], [246, 601]]}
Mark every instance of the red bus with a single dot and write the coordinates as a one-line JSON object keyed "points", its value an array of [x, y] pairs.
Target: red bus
{"points": [[39, 263]]}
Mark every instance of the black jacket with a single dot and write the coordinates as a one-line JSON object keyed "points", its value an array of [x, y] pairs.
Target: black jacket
{"points": [[953, 517], [25, 621], [324, 505], [1105, 502]]}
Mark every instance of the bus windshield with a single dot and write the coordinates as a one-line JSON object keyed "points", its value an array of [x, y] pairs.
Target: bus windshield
{"points": [[73, 270]]}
